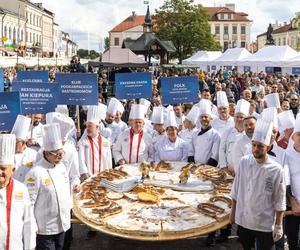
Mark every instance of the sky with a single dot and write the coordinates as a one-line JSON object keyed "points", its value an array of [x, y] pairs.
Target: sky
{"points": [[89, 21]]}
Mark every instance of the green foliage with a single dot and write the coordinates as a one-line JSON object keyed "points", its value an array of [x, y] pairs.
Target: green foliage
{"points": [[186, 25], [106, 43], [85, 54]]}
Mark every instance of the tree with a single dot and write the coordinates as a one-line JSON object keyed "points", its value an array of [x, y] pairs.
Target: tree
{"points": [[186, 25], [106, 43], [84, 53]]}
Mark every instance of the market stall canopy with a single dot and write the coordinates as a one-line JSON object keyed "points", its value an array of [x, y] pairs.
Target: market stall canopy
{"points": [[294, 62], [270, 56], [6, 62], [231, 56], [95, 62], [202, 57], [117, 57]]}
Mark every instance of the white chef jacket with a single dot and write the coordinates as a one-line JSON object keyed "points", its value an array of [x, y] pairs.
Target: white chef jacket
{"points": [[228, 139], [187, 134], [23, 163], [156, 137], [36, 133], [292, 159], [259, 190], [122, 126], [22, 222], [166, 150], [49, 191], [114, 132], [179, 120], [242, 147], [86, 156], [121, 149], [221, 126], [205, 146]]}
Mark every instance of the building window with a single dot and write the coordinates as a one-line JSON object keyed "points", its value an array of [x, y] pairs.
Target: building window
{"points": [[279, 41], [22, 34], [217, 30], [229, 16], [243, 30], [14, 35], [222, 16], [9, 33], [30, 18], [5, 31], [117, 41], [30, 40], [225, 30], [283, 41], [243, 44], [234, 30], [225, 45]]}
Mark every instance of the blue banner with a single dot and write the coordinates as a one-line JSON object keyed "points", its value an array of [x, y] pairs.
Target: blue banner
{"points": [[296, 71], [9, 109], [134, 85], [37, 98], [269, 69], [213, 67], [77, 88], [1, 80], [33, 76], [247, 68], [179, 89]]}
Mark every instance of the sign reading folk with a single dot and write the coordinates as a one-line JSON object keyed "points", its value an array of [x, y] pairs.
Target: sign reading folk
{"points": [[77, 88], [34, 76], [133, 85], [9, 109], [179, 89], [37, 98]]}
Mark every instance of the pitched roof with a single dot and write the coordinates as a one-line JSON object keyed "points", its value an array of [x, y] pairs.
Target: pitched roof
{"points": [[281, 29], [214, 11], [129, 22]]}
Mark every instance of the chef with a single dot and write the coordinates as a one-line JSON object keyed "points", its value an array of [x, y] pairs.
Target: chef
{"points": [[231, 135], [204, 148], [94, 150], [36, 135], [157, 119], [147, 123], [287, 122], [25, 157], [17, 223], [134, 144], [292, 159], [258, 194], [179, 115], [224, 121], [243, 145], [189, 124], [118, 118], [171, 147], [48, 186]]}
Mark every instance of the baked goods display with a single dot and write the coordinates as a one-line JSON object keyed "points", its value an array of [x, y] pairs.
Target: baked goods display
{"points": [[157, 207]]}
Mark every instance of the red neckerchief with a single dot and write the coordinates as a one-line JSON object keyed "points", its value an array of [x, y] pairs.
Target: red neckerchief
{"points": [[9, 191], [139, 143], [93, 150]]}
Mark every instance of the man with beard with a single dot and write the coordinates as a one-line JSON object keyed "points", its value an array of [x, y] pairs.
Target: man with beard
{"points": [[258, 194], [224, 121], [36, 135], [17, 223], [204, 148], [242, 146], [294, 104]]}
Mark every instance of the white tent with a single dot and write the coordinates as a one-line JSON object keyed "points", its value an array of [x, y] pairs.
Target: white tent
{"points": [[231, 56], [270, 56], [202, 58], [6, 62], [294, 62]]}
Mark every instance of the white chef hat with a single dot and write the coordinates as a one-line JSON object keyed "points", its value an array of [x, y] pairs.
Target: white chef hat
{"points": [[66, 124], [63, 109], [263, 132], [52, 137], [193, 114], [222, 99], [297, 124], [286, 120], [21, 127], [157, 116], [243, 107], [137, 111], [96, 113], [145, 102], [7, 149], [272, 100], [170, 120], [49, 117], [270, 115], [169, 108], [114, 106], [205, 107]]}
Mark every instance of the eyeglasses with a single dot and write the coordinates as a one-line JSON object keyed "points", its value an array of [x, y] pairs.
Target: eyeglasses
{"points": [[61, 154], [294, 99]]}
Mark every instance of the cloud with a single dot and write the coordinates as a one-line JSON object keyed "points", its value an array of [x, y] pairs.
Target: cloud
{"points": [[82, 17]]}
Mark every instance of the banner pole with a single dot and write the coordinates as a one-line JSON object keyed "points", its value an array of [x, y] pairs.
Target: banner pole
{"points": [[78, 121]]}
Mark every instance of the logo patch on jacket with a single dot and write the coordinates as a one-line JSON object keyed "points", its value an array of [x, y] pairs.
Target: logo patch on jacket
{"points": [[47, 181], [18, 196], [29, 164]]}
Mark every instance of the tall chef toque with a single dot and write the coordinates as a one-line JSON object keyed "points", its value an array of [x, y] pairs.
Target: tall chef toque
{"points": [[157, 116], [170, 120], [7, 149], [243, 107], [66, 124], [193, 114], [263, 132], [222, 99], [114, 106], [137, 111], [272, 100], [21, 127], [270, 115], [205, 107], [96, 113], [52, 137]]}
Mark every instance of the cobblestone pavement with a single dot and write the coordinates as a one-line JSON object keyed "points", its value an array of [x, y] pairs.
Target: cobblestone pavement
{"points": [[105, 242]]}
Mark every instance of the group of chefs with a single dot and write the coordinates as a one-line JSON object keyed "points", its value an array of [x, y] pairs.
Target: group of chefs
{"points": [[42, 162]]}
